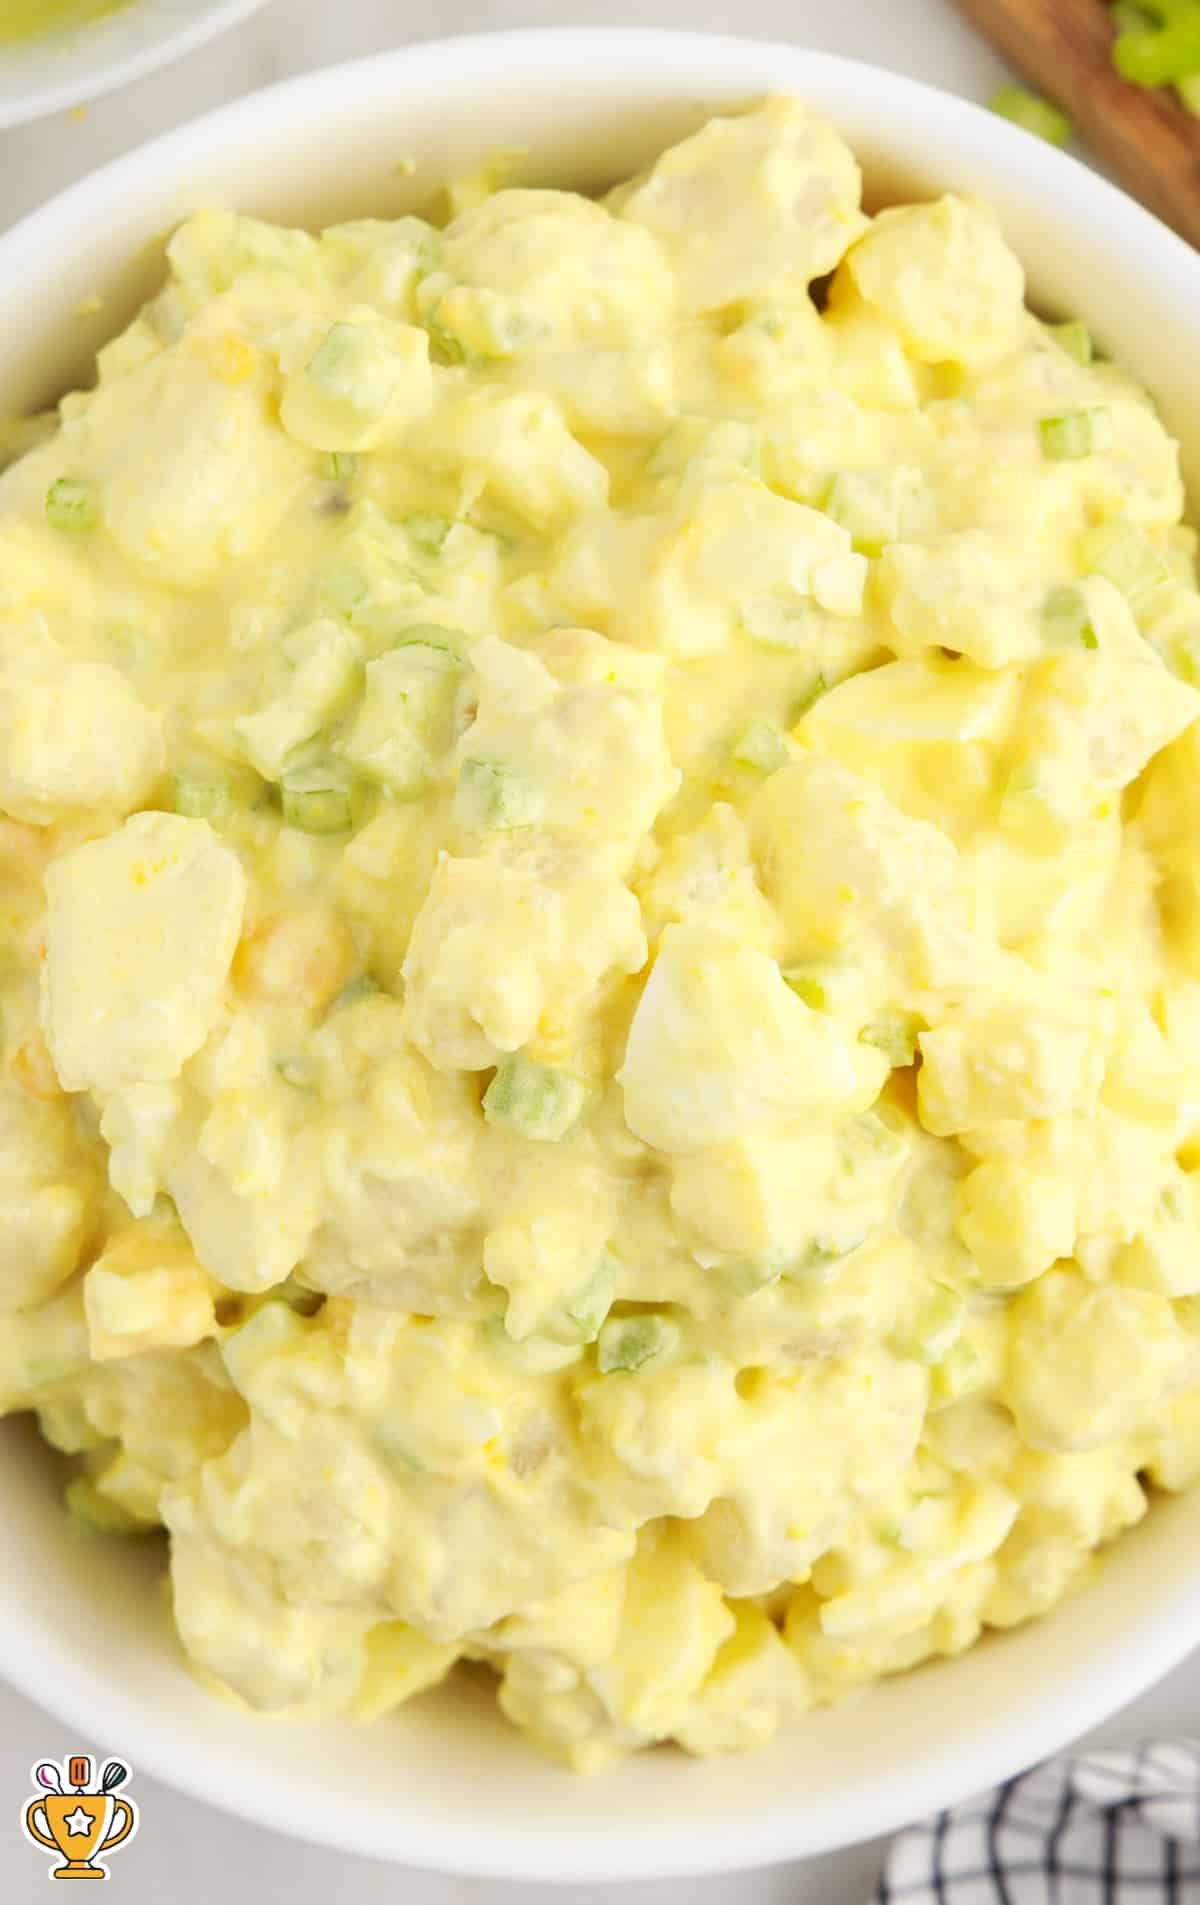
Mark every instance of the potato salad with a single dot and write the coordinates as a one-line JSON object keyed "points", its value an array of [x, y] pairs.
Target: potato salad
{"points": [[601, 958]]}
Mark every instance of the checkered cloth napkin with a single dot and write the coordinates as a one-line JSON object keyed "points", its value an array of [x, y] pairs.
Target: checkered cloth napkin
{"points": [[1112, 1828]]}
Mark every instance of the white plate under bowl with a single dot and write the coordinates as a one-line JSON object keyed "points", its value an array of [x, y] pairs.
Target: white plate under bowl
{"points": [[444, 1783], [62, 68]]}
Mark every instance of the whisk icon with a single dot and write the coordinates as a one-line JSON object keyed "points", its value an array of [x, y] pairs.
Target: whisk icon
{"points": [[77, 1821]]}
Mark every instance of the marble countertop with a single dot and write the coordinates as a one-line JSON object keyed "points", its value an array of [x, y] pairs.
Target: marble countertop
{"points": [[186, 1853]]}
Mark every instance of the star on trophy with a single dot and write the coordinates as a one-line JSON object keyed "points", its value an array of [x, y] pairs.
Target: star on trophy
{"points": [[80, 1824]]}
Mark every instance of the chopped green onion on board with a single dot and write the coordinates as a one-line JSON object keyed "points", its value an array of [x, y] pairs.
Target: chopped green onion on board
{"points": [[1158, 44], [1163, 55], [1035, 114]]}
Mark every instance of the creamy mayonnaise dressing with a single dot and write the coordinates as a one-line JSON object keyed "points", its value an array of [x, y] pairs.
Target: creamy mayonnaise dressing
{"points": [[602, 987]]}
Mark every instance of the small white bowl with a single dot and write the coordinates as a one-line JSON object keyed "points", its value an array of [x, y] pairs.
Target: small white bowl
{"points": [[444, 1783], [59, 69]]}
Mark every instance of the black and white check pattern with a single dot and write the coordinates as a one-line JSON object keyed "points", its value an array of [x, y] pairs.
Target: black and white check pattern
{"points": [[1111, 1828]]}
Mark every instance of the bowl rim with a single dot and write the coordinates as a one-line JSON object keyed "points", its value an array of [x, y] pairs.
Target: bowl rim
{"points": [[39, 1665], [131, 58]]}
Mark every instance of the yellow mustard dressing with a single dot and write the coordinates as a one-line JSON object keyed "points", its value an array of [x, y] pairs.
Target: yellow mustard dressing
{"points": [[601, 1008], [30, 19]]}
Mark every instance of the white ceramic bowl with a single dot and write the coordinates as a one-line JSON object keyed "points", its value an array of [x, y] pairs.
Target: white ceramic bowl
{"points": [[445, 1784], [44, 75]]}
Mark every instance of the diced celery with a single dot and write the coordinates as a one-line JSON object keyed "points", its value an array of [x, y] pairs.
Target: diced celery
{"points": [[762, 747], [343, 588], [1074, 338], [871, 1148], [514, 329], [428, 531], [808, 697], [489, 794], [1035, 114], [361, 987], [693, 442], [367, 371], [781, 620], [405, 721], [1119, 551], [960, 1371], [589, 1306], [534, 1100], [302, 1074], [1076, 433], [72, 505], [201, 796], [317, 800], [429, 245], [630, 1342], [818, 1261], [444, 347], [895, 1035], [396, 1450], [867, 504], [745, 1277], [1027, 802], [375, 583], [447, 641], [1066, 622], [483, 322], [382, 258], [936, 1326], [326, 673], [822, 983], [339, 466], [352, 365]]}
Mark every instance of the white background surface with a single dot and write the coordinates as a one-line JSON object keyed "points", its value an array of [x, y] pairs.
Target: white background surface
{"points": [[186, 1854]]}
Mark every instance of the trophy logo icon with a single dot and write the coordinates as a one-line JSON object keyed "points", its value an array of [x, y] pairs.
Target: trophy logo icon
{"points": [[79, 1822]]}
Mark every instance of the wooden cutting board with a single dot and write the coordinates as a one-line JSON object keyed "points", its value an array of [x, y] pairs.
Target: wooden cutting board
{"points": [[1064, 49]]}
